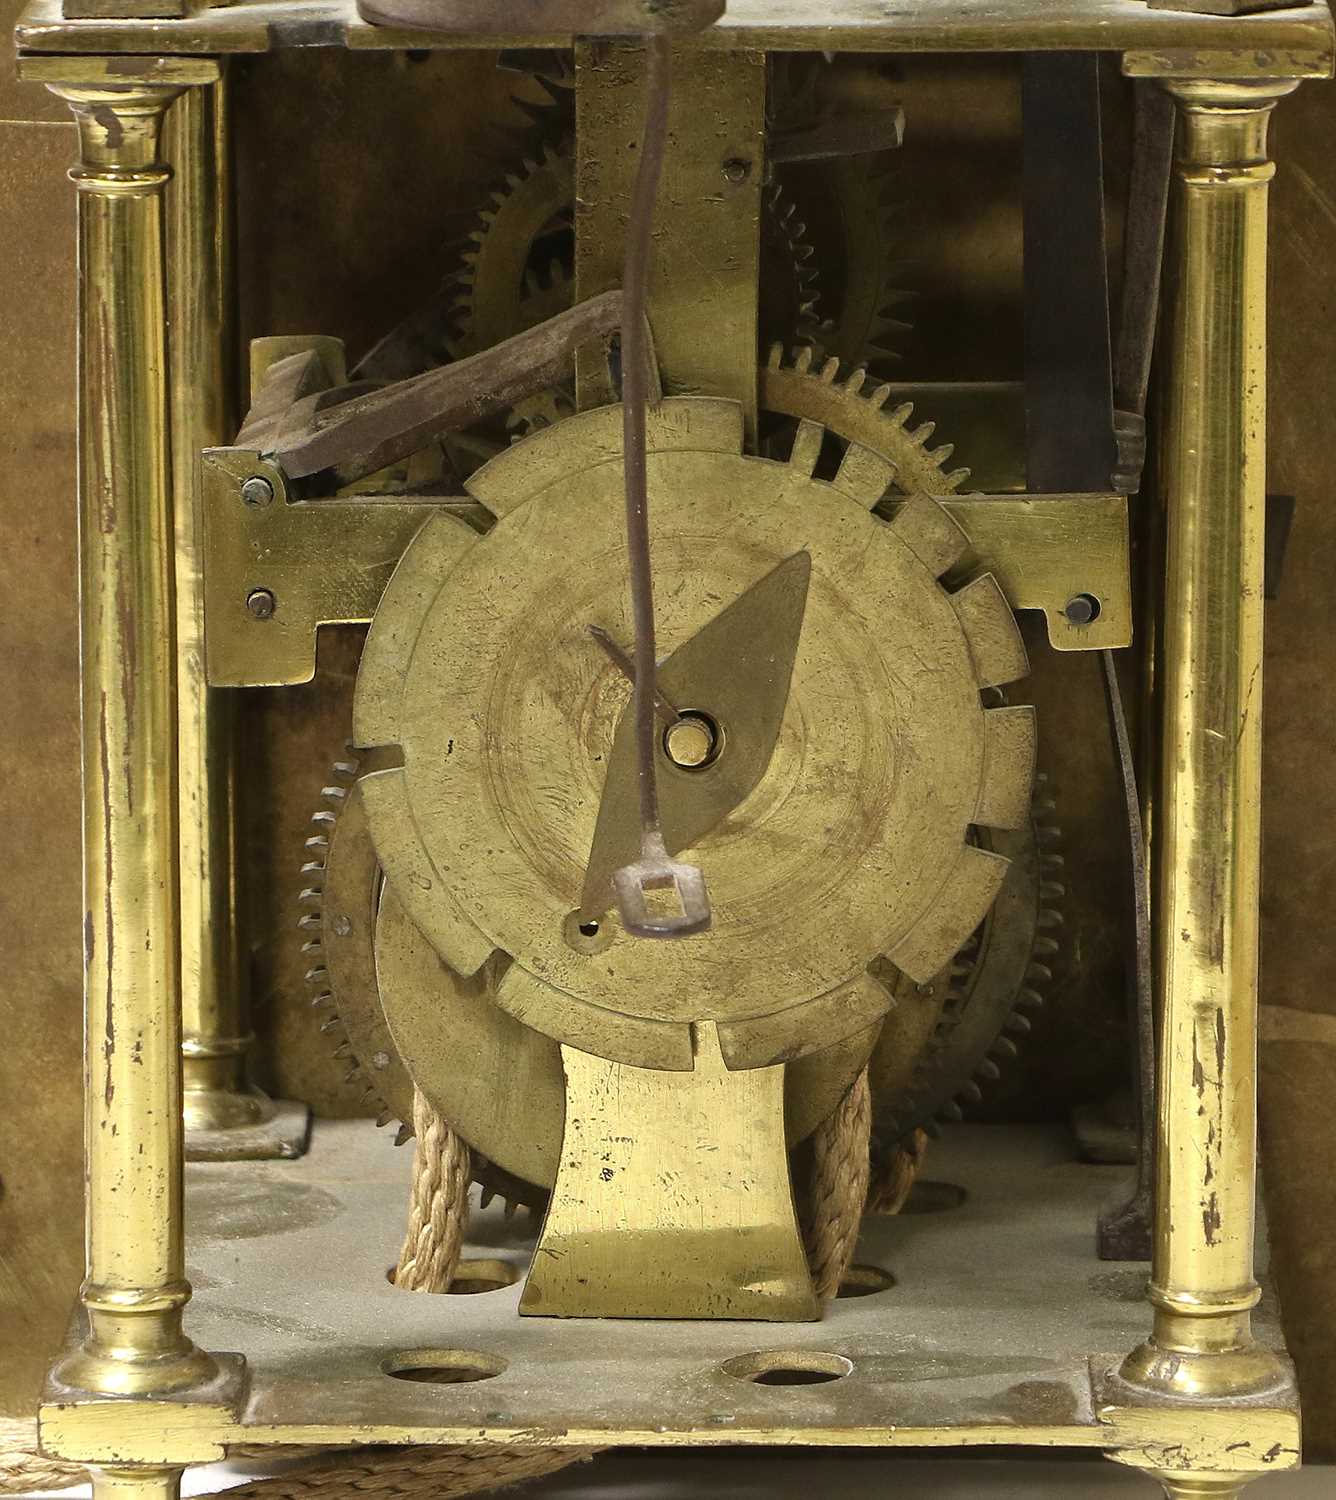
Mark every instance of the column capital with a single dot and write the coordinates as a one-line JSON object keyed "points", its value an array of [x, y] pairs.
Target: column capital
{"points": [[1223, 127]]}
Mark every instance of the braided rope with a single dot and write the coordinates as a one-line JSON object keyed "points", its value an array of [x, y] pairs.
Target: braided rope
{"points": [[838, 1187], [420, 1470], [438, 1205], [24, 1467], [893, 1176]]}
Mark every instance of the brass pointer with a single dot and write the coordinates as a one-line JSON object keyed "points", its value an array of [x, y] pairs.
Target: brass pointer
{"points": [[731, 682]]}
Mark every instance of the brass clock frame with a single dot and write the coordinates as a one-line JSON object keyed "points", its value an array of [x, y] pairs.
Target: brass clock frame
{"points": [[1200, 1403]]}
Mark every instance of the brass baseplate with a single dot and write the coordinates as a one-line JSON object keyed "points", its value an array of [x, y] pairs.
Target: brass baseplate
{"points": [[289, 1263]]}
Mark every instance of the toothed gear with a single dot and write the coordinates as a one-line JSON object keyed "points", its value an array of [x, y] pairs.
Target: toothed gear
{"points": [[517, 264], [990, 989], [340, 890], [488, 860], [859, 238], [853, 407], [947, 1038]]}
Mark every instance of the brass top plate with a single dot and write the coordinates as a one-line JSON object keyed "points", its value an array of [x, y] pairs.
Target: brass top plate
{"points": [[1292, 43]]}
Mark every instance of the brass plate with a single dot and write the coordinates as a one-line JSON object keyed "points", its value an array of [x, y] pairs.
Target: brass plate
{"points": [[945, 1358], [1301, 38], [648, 1221], [481, 668], [323, 561]]}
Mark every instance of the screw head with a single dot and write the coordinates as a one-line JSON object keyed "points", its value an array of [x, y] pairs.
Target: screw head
{"points": [[1081, 609], [257, 491], [736, 169], [261, 603]]}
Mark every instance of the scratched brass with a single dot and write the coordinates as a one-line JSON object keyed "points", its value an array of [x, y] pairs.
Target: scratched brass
{"points": [[497, 1081], [471, 664], [644, 1224]]}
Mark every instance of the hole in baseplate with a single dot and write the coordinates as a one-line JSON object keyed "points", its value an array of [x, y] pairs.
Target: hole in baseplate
{"points": [[788, 1367], [474, 1276], [443, 1366], [865, 1281], [934, 1198]]}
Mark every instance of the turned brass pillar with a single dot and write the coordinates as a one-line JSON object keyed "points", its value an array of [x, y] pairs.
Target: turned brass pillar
{"points": [[135, 1288], [222, 1108], [1212, 474]]}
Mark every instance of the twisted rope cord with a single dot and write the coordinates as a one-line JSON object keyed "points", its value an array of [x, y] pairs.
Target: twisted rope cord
{"points": [[23, 1467], [893, 1176], [838, 1187], [438, 1205]]}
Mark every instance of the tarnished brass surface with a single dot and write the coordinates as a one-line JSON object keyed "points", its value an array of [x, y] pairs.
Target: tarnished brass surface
{"points": [[1301, 40], [1206, 905], [215, 1009], [705, 326], [933, 1365], [1043, 550], [321, 561], [643, 1223], [510, 882], [135, 1287]]}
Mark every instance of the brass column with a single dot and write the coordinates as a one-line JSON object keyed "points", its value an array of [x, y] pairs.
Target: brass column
{"points": [[216, 1034], [135, 1288], [1212, 473]]}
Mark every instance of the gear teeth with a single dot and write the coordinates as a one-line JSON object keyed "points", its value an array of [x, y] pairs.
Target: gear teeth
{"points": [[1030, 999], [353, 1074], [486, 1197], [318, 977], [972, 1093], [1018, 1024], [343, 1050], [334, 1023], [1051, 890], [1038, 973], [902, 413], [1045, 946], [313, 945], [319, 1001], [802, 359], [775, 358], [1005, 1048], [952, 1113]]}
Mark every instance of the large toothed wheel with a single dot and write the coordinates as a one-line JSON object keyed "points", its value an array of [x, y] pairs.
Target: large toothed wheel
{"points": [[852, 850]]}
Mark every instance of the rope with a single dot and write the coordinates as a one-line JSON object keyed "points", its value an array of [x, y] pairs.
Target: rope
{"points": [[838, 1187], [23, 1467], [893, 1176], [441, 1472], [438, 1206]]}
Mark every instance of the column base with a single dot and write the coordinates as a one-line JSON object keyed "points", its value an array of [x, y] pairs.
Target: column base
{"points": [[1250, 1373], [225, 1125]]}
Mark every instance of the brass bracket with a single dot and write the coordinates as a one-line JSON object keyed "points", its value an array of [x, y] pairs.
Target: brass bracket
{"points": [[276, 569], [1067, 555]]}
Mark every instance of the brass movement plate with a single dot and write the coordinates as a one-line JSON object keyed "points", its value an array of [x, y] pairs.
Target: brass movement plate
{"points": [[1303, 38], [944, 1358]]}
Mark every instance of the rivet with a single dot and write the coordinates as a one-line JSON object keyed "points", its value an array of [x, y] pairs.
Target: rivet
{"points": [[736, 169], [261, 604], [257, 491]]}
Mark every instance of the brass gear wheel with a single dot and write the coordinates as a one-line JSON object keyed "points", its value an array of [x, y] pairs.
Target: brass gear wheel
{"points": [[340, 896], [489, 858], [341, 900], [983, 997], [517, 268], [949, 1037]]}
